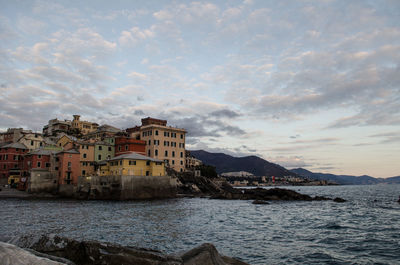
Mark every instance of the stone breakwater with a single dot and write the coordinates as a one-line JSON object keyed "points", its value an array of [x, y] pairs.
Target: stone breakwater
{"points": [[52, 249]]}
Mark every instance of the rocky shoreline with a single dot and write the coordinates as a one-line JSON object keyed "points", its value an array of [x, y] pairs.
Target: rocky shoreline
{"points": [[52, 249], [194, 186], [189, 185]]}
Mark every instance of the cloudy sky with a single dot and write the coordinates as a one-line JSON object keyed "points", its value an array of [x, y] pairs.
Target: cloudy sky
{"points": [[313, 84]]}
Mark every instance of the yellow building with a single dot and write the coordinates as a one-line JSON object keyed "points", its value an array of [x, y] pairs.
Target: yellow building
{"points": [[163, 142], [66, 139], [85, 127], [132, 164]]}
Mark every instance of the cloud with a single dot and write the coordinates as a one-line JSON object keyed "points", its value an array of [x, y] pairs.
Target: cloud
{"points": [[289, 161], [224, 113], [135, 35]]}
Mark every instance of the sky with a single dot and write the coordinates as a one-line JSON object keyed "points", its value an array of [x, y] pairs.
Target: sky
{"points": [[312, 84]]}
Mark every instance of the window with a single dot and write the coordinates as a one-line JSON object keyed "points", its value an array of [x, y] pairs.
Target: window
{"points": [[181, 163], [156, 152], [132, 162], [126, 147], [147, 173], [148, 163], [166, 153], [148, 153], [84, 156], [181, 136], [149, 142], [31, 142], [173, 153], [99, 157], [173, 162], [38, 164], [83, 172], [109, 149], [69, 164], [47, 164], [119, 148], [181, 154], [100, 147], [120, 162], [39, 156], [15, 158], [156, 132]]}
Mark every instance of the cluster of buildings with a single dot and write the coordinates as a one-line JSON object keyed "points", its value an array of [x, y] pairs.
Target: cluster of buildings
{"points": [[69, 150]]}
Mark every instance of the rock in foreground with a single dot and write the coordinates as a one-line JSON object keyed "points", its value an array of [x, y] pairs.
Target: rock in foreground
{"points": [[93, 252]]}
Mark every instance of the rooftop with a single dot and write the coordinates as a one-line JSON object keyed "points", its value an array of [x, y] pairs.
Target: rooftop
{"points": [[134, 156], [15, 145]]}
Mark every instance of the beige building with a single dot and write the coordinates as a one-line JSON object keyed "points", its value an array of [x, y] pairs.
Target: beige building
{"points": [[85, 127], [87, 161], [163, 142], [32, 140], [55, 125]]}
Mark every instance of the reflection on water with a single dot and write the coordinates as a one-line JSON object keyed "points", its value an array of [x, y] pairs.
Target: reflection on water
{"points": [[366, 229]]}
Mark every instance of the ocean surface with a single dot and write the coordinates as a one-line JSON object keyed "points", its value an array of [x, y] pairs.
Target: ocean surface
{"points": [[363, 230]]}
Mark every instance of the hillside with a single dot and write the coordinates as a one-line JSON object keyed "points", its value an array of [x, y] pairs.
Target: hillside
{"points": [[253, 164], [346, 179]]}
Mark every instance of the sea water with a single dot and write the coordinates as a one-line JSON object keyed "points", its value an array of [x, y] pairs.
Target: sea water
{"points": [[363, 230]]}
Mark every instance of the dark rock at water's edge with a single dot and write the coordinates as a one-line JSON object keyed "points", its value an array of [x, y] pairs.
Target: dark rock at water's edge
{"points": [[70, 251], [339, 200], [260, 202], [190, 185]]}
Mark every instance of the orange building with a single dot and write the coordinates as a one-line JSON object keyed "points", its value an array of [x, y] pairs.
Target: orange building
{"points": [[68, 167]]}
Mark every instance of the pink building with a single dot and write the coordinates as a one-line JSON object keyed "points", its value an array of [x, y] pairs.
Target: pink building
{"points": [[68, 167]]}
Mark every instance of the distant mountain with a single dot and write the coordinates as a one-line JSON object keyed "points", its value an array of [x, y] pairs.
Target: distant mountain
{"points": [[345, 179], [392, 180], [253, 164]]}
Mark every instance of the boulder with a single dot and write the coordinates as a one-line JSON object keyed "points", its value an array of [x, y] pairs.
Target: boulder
{"points": [[337, 199], [207, 254], [11, 255], [260, 202], [93, 252]]}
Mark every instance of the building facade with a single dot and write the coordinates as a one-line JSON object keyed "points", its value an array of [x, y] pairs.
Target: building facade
{"points": [[55, 126], [163, 142], [68, 167], [32, 140], [125, 145], [103, 150], [86, 158], [11, 160], [132, 164], [84, 127]]}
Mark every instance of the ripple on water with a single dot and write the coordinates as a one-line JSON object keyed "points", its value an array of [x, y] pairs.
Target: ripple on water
{"points": [[360, 231]]}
